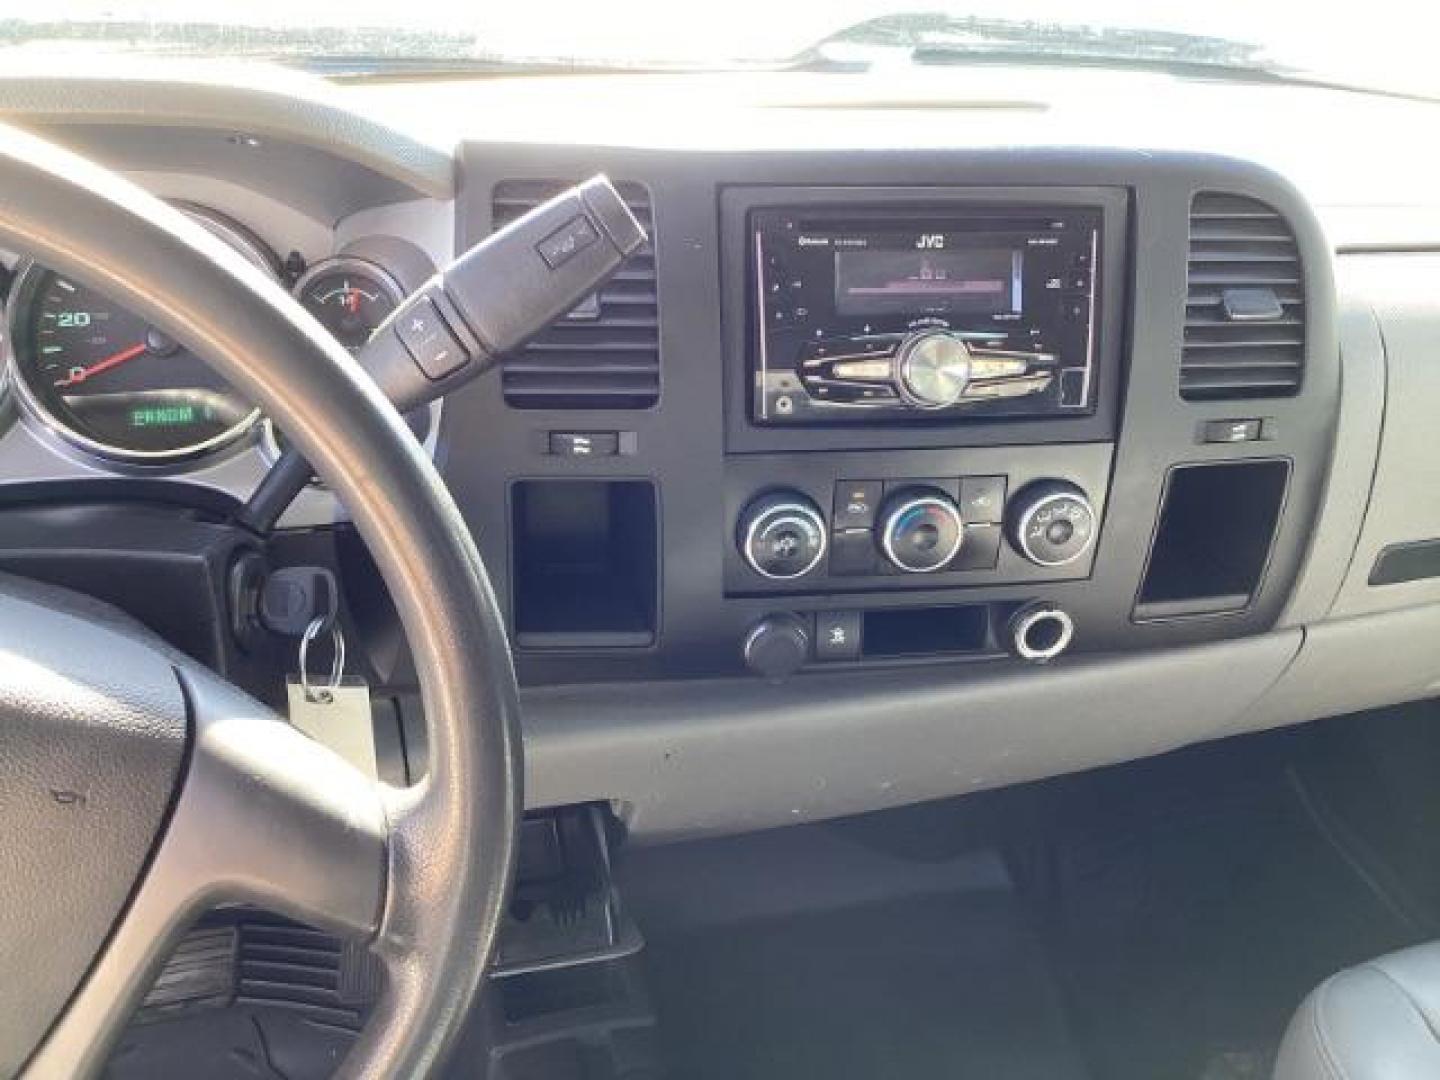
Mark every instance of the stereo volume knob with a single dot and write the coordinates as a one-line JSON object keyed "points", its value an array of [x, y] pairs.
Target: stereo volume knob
{"points": [[932, 369], [1051, 522], [921, 530], [782, 535]]}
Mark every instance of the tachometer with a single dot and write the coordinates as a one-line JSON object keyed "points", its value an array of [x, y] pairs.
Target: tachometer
{"points": [[350, 297], [107, 380]]}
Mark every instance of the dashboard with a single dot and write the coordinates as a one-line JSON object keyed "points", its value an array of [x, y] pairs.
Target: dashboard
{"points": [[924, 448]]}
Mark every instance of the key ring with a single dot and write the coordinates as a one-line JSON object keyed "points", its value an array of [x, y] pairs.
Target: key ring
{"points": [[326, 694]]}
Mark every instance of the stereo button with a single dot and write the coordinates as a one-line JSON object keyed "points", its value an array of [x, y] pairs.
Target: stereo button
{"points": [[862, 369]]}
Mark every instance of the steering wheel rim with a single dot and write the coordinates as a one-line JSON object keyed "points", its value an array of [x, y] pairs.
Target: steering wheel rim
{"points": [[309, 825]]}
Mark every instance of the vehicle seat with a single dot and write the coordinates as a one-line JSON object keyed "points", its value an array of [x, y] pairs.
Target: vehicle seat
{"points": [[1377, 1021]]}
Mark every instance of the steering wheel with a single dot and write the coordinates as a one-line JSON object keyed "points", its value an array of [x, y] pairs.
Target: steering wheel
{"points": [[138, 789]]}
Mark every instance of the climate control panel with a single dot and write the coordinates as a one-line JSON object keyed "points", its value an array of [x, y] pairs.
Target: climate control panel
{"points": [[918, 527], [983, 516]]}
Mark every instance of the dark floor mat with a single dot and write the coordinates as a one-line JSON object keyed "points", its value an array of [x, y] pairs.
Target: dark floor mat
{"points": [[1190, 905], [935, 986]]}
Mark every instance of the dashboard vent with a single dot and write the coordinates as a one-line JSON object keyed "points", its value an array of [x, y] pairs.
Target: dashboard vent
{"points": [[605, 354], [1245, 306]]}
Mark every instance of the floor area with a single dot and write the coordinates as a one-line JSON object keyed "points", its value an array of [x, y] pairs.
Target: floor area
{"points": [[952, 985], [1156, 920]]}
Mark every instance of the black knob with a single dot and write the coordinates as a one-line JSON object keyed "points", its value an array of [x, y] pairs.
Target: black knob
{"points": [[777, 646], [1051, 522], [921, 530], [782, 535]]}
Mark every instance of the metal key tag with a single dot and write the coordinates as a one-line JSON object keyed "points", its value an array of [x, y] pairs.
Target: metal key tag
{"points": [[336, 713]]}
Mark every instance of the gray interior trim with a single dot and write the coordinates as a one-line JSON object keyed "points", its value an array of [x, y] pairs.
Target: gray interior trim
{"points": [[1402, 291], [1352, 664], [1352, 465], [699, 758], [268, 102]]}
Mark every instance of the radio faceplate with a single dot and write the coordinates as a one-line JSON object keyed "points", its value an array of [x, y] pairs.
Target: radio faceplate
{"points": [[947, 312]]}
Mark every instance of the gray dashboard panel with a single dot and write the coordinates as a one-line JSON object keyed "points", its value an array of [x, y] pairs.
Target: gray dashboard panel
{"points": [[1352, 462], [710, 757], [1347, 665], [1404, 505], [112, 94]]}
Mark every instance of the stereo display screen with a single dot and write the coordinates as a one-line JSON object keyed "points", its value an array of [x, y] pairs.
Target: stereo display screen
{"points": [[890, 276]]}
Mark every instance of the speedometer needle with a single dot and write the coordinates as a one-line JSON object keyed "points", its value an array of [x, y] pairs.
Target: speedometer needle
{"points": [[79, 374]]}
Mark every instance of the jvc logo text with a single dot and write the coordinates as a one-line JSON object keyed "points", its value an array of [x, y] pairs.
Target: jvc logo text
{"points": [[930, 241]]}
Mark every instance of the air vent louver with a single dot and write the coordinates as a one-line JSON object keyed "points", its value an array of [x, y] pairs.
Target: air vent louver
{"points": [[284, 964], [1245, 308], [606, 353]]}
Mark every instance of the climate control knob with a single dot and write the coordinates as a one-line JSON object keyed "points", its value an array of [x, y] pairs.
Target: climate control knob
{"points": [[921, 530], [782, 535], [1051, 522]]}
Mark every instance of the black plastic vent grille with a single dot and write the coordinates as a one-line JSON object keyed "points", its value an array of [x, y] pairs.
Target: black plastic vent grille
{"points": [[284, 964], [1245, 305], [606, 353]]}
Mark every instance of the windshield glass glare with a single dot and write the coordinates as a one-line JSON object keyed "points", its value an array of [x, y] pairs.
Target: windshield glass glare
{"points": [[1384, 44]]}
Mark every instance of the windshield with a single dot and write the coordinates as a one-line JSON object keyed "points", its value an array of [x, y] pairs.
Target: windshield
{"points": [[1383, 44]]}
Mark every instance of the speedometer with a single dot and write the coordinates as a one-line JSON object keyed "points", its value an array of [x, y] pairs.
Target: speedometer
{"points": [[108, 381]]}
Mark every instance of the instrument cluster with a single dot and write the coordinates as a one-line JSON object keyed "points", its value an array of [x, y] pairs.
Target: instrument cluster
{"points": [[102, 379]]}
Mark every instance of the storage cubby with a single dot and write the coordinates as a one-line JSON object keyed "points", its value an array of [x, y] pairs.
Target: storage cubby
{"points": [[926, 631], [584, 563], [1212, 544]]}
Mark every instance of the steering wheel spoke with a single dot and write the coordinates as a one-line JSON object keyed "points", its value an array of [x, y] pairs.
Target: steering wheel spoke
{"points": [[264, 816]]}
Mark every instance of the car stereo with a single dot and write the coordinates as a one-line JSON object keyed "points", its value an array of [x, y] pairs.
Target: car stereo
{"points": [[921, 313]]}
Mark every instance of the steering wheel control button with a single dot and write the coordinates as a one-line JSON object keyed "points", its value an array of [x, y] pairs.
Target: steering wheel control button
{"points": [[837, 635], [777, 646], [429, 341], [921, 530], [782, 536], [856, 502], [584, 444], [1052, 523], [569, 240], [982, 499]]}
